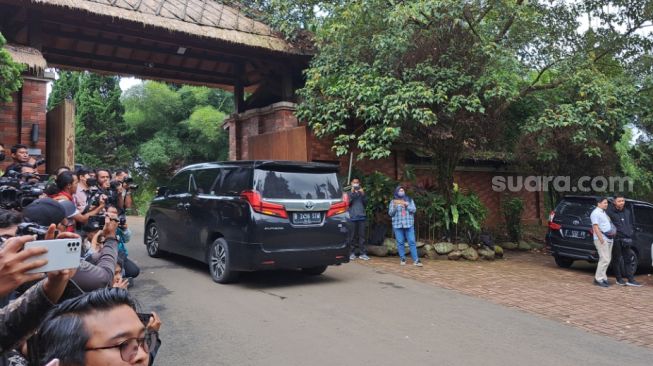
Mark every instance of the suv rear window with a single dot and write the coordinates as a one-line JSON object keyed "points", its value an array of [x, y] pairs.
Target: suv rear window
{"points": [[576, 208], [297, 185]]}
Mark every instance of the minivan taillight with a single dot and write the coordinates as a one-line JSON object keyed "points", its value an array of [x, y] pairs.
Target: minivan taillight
{"points": [[339, 207], [553, 225], [266, 208]]}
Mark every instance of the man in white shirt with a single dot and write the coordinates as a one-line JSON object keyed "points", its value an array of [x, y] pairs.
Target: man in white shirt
{"points": [[604, 233]]}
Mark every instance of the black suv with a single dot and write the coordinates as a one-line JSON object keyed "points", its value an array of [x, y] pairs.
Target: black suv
{"points": [[570, 234], [252, 215]]}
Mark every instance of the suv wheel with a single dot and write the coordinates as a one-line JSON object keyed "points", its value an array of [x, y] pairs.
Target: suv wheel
{"points": [[632, 255], [563, 262], [152, 241], [219, 264], [314, 271]]}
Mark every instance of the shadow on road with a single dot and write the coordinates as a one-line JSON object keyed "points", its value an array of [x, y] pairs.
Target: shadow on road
{"points": [[254, 280]]}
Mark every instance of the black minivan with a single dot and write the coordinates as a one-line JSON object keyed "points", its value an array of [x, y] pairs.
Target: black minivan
{"points": [[570, 235], [252, 215]]}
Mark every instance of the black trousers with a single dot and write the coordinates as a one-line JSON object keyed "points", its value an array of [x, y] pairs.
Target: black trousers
{"points": [[621, 264], [131, 269], [357, 237]]}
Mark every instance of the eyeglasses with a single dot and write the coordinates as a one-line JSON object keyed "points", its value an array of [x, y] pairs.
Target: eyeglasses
{"points": [[129, 347]]}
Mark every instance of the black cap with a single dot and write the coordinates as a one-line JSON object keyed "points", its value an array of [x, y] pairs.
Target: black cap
{"points": [[44, 211]]}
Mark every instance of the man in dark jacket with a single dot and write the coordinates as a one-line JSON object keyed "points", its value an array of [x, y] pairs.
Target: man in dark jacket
{"points": [[622, 219], [358, 218]]}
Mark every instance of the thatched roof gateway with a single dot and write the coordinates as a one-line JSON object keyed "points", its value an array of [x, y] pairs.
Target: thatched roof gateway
{"points": [[202, 18], [201, 42]]}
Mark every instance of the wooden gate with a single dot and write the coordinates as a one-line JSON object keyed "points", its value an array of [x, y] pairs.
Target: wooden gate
{"points": [[283, 145], [61, 137]]}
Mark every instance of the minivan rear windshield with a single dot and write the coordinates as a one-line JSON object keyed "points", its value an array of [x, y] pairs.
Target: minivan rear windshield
{"points": [[581, 208], [296, 185]]}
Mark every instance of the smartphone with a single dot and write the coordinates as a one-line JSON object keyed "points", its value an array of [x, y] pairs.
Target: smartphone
{"points": [[62, 254], [144, 317]]}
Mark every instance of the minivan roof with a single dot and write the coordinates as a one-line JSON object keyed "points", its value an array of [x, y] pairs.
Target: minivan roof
{"points": [[301, 165], [610, 198]]}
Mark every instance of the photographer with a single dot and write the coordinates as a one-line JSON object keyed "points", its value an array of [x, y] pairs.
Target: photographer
{"points": [[123, 190], [358, 218], [123, 234], [20, 156], [89, 276], [66, 183]]}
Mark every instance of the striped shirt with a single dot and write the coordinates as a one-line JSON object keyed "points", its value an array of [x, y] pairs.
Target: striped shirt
{"points": [[402, 217]]}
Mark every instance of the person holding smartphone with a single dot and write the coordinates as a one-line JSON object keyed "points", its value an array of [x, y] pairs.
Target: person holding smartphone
{"points": [[22, 316], [402, 210], [358, 218]]}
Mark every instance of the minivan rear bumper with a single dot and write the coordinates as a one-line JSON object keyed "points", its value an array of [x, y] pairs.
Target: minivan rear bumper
{"points": [[252, 257], [564, 248]]}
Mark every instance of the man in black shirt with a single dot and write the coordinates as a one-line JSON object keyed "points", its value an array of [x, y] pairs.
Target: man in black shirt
{"points": [[622, 218]]}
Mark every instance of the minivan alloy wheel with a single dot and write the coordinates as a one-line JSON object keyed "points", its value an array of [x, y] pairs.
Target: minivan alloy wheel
{"points": [[152, 240], [219, 263]]}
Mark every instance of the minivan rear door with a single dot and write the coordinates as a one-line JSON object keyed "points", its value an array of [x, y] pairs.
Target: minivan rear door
{"points": [[573, 216], [307, 193]]}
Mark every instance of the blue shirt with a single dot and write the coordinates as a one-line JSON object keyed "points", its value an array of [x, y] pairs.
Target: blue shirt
{"points": [[402, 217]]}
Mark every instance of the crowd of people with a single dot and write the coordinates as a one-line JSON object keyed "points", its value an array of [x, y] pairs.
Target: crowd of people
{"points": [[77, 316]]}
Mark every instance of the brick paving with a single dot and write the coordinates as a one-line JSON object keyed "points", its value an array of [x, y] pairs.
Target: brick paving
{"points": [[533, 283]]}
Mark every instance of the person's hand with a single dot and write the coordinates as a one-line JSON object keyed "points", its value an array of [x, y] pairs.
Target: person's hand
{"points": [[110, 225], [103, 200], [56, 282], [154, 323], [123, 283], [13, 264]]}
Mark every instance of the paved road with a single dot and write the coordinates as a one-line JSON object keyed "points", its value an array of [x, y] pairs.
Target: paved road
{"points": [[351, 315]]}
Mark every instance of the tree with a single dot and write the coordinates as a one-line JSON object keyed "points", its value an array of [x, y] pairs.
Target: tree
{"points": [[101, 135], [10, 80], [176, 126], [443, 75]]}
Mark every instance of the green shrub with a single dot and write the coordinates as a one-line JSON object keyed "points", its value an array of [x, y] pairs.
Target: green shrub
{"points": [[512, 211]]}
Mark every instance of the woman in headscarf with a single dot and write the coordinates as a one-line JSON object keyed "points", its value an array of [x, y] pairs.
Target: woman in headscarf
{"points": [[402, 210]]}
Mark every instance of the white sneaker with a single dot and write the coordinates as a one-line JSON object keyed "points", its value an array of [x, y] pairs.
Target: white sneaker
{"points": [[352, 257], [418, 264], [364, 257], [403, 262]]}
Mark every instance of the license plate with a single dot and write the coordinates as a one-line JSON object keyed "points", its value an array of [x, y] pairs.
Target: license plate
{"points": [[577, 234], [306, 218]]}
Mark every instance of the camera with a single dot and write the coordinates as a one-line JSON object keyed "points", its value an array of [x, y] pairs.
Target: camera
{"points": [[16, 193], [95, 222], [30, 228], [122, 221], [130, 183]]}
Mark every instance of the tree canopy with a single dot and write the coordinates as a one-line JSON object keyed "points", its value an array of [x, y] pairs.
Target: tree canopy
{"points": [[10, 80], [446, 76]]}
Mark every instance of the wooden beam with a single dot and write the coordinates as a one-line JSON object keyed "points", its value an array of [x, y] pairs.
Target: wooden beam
{"points": [[47, 51], [169, 48], [128, 70], [156, 35]]}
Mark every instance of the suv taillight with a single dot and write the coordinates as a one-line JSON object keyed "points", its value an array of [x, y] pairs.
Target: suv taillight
{"points": [[339, 207], [266, 208], [553, 225]]}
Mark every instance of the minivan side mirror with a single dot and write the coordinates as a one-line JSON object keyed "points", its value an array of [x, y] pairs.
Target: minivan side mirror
{"points": [[161, 191]]}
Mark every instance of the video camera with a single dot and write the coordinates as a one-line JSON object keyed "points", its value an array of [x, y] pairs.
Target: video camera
{"points": [[30, 228], [18, 190]]}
